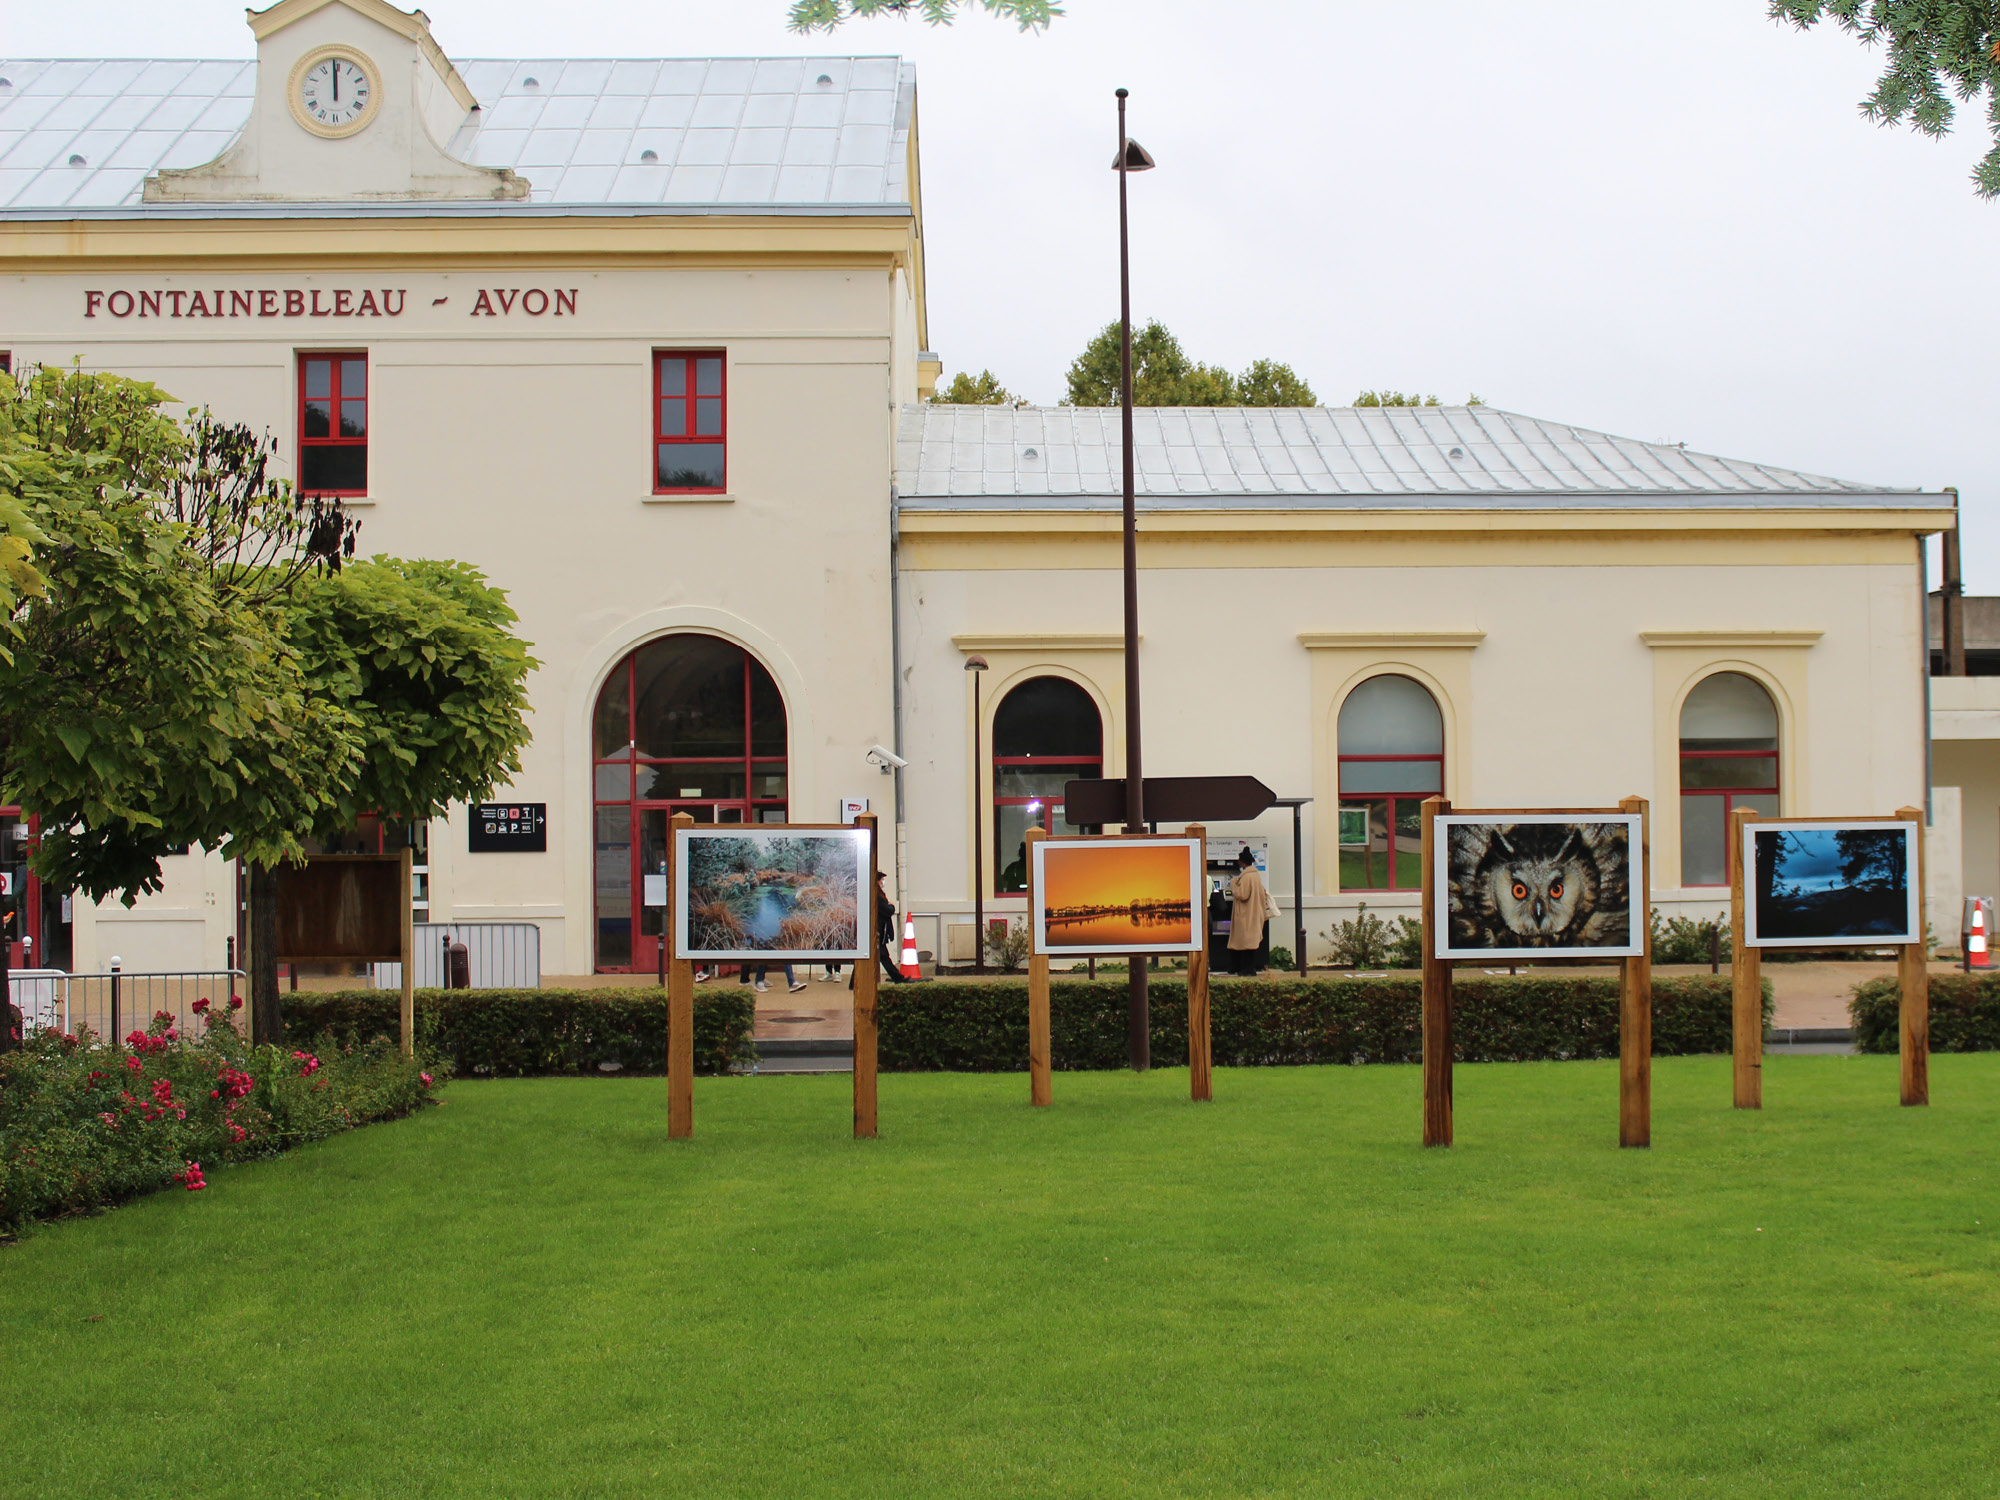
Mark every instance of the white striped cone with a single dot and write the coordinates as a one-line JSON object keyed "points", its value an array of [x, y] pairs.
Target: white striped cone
{"points": [[1977, 955], [909, 963]]}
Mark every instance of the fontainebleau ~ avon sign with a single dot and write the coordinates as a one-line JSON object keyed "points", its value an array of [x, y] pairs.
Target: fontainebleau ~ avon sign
{"points": [[320, 302]]}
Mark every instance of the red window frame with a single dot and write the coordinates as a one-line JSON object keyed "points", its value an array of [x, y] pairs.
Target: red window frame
{"points": [[1729, 794], [334, 359], [6, 361], [1392, 798], [688, 401], [1050, 808]]}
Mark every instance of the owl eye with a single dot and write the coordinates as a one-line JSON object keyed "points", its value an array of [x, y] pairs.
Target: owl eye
{"points": [[1520, 891], [1556, 890]]}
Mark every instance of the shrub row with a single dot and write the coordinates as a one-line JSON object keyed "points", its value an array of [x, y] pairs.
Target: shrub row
{"points": [[1965, 1013], [983, 1028], [528, 1033], [84, 1124]]}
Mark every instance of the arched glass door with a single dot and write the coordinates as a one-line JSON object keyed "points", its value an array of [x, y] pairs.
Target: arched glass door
{"points": [[687, 723], [1046, 732], [1729, 759], [1391, 758]]}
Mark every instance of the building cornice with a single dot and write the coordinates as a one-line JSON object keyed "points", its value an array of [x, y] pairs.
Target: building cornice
{"points": [[1710, 640], [1391, 640], [1039, 641]]}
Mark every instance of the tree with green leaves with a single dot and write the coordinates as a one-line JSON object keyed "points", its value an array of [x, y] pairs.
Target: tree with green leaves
{"points": [[1934, 50], [983, 389], [1397, 398], [1163, 375], [199, 667], [828, 15]]}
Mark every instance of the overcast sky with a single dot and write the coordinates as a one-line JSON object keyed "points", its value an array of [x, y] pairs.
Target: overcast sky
{"points": [[1665, 222]]}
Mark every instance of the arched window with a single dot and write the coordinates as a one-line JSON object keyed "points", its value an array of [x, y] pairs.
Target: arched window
{"points": [[687, 723], [1045, 732], [1729, 759], [1391, 758]]}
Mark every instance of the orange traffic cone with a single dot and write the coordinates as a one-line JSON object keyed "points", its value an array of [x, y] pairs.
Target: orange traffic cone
{"points": [[1977, 954], [909, 963]]}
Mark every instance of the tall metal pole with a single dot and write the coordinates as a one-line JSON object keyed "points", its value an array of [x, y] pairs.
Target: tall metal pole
{"points": [[1138, 1021]]}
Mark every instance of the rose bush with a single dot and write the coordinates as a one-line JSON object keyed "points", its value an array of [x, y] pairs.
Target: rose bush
{"points": [[84, 1123]]}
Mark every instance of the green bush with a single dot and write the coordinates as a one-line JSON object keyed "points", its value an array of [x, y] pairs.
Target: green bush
{"points": [[84, 1123], [1965, 1013], [529, 1033], [983, 1028], [1682, 940], [1360, 943]]}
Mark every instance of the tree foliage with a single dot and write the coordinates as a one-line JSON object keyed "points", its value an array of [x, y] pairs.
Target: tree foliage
{"points": [[983, 389], [1164, 375], [1934, 50], [182, 678], [1398, 398], [828, 15]]}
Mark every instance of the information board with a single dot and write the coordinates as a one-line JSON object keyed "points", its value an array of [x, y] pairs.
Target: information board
{"points": [[508, 828]]}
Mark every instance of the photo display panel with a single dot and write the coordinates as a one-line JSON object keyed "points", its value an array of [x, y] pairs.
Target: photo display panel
{"points": [[1103, 897], [1831, 884], [772, 892], [1536, 885]]}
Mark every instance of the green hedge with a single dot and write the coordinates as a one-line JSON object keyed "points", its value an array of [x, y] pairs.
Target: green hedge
{"points": [[527, 1033], [1965, 1014], [983, 1028]]}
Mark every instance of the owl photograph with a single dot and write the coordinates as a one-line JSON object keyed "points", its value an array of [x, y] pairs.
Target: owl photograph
{"points": [[1536, 885]]}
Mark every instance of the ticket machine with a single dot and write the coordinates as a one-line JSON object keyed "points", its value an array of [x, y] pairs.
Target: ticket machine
{"points": [[1222, 856]]}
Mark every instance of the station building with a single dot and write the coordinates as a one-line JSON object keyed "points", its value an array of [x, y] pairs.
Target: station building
{"points": [[646, 342]]}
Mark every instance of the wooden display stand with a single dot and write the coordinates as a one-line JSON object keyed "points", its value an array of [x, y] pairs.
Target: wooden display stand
{"points": [[1201, 1084], [351, 908], [680, 990], [1635, 993], [1913, 979]]}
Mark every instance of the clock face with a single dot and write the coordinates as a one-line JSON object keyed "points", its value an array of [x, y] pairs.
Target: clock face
{"points": [[335, 93]]}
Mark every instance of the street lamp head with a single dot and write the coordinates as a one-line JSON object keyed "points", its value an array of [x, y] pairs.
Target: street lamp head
{"points": [[1135, 159], [975, 664]]}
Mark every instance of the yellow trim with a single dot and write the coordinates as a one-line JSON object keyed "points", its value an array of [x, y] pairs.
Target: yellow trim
{"points": [[1036, 642], [1725, 639], [412, 24], [1390, 640], [1438, 519], [136, 243], [307, 61], [1394, 542]]}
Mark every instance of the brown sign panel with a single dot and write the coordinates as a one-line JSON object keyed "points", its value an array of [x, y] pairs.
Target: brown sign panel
{"points": [[341, 907], [1169, 799]]}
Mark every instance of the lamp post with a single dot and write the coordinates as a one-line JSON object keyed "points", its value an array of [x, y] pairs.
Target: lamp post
{"points": [[1132, 158], [976, 665]]}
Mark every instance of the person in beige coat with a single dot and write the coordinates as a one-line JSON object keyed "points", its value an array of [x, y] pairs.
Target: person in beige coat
{"points": [[1250, 911]]}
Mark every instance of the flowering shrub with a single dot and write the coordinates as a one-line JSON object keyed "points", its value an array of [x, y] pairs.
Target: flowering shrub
{"points": [[85, 1123]]}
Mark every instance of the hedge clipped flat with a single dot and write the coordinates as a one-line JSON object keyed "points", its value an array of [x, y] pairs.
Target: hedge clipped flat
{"points": [[1965, 1013], [534, 1033]]}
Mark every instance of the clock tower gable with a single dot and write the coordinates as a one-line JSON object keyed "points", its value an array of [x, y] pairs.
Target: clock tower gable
{"points": [[353, 101]]}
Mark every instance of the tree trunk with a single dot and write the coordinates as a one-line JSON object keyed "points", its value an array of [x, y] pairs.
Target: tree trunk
{"points": [[267, 1019]]}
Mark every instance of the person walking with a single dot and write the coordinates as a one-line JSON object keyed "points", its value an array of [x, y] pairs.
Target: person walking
{"points": [[1250, 911], [886, 939]]}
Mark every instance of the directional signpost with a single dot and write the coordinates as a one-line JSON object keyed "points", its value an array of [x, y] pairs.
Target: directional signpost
{"points": [[1170, 799]]}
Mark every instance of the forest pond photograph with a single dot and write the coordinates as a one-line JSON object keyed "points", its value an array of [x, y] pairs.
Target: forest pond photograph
{"points": [[793, 896], [1831, 883], [1109, 896]]}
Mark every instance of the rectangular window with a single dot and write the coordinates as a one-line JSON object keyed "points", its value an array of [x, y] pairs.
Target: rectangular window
{"points": [[689, 422], [333, 423], [6, 362]]}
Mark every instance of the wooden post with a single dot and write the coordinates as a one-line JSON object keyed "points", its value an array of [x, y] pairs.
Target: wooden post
{"points": [[409, 1005], [1201, 1050], [1913, 982], [1635, 998], [1746, 976], [1039, 1094], [1437, 995], [867, 975], [680, 998]]}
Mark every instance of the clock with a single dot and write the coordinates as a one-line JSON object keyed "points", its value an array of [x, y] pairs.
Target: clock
{"points": [[334, 91]]}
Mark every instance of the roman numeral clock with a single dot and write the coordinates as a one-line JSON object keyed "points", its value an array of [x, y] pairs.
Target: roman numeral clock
{"points": [[333, 91]]}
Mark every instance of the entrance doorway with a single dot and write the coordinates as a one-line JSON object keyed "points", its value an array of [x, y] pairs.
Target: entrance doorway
{"points": [[37, 936], [687, 723]]}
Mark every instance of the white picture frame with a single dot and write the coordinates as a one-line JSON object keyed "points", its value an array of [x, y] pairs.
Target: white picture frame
{"points": [[1449, 901], [1047, 926], [846, 856], [1760, 915]]}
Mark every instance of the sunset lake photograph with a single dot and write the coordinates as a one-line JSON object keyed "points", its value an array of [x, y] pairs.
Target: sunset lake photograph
{"points": [[1112, 896]]}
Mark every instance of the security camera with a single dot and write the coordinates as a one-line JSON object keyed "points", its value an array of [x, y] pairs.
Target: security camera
{"points": [[887, 759]]}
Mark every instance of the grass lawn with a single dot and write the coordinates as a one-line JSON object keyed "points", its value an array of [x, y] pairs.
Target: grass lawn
{"points": [[532, 1292]]}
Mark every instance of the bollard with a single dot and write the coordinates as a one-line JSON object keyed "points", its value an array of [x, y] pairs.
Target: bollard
{"points": [[116, 961], [444, 960], [1714, 949], [458, 964]]}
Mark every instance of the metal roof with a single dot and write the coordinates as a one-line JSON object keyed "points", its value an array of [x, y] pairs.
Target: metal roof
{"points": [[1311, 457], [659, 134]]}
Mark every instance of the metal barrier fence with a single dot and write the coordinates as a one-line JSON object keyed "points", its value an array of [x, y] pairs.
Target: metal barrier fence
{"points": [[119, 1002], [502, 955]]}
